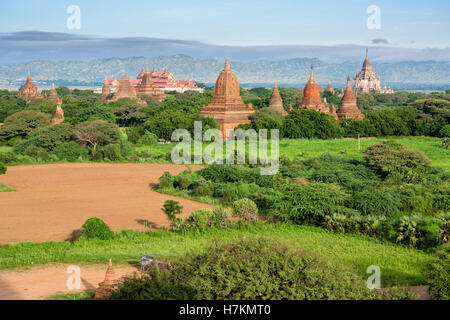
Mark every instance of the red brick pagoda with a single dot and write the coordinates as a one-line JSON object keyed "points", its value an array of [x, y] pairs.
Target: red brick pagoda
{"points": [[275, 102], [227, 106], [28, 91], [349, 109]]}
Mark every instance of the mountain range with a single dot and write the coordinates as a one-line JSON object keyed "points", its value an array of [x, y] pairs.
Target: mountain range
{"points": [[289, 72]]}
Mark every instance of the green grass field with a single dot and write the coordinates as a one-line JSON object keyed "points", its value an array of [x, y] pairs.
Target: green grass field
{"points": [[347, 148], [398, 263]]}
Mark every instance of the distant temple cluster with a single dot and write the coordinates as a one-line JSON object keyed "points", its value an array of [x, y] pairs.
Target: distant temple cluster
{"points": [[227, 106]]}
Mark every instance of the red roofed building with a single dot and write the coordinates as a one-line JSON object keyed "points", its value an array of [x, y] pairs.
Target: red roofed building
{"points": [[165, 81]]}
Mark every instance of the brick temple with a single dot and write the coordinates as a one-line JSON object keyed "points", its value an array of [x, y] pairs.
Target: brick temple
{"points": [[227, 106], [349, 109], [275, 102], [29, 91]]}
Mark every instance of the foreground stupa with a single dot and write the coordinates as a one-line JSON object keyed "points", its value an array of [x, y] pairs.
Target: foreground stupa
{"points": [[105, 287], [148, 87], [29, 91], [349, 109], [275, 102], [227, 106]]}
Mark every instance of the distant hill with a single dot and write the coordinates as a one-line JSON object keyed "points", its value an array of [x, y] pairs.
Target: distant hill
{"points": [[293, 72]]}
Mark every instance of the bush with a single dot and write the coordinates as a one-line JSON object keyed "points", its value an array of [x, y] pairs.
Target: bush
{"points": [[166, 180], [310, 203], [258, 269], [111, 152], [437, 273], [134, 134], [96, 228], [2, 168], [204, 189], [377, 202], [245, 209], [203, 218], [445, 131], [7, 157], [418, 231], [71, 151], [369, 225], [446, 143], [148, 139], [386, 157], [36, 152]]}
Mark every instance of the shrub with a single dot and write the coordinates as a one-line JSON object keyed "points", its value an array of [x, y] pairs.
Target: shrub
{"points": [[245, 209], [134, 134], [23, 123], [14, 141], [310, 203], [96, 228], [204, 189], [437, 273], [445, 131], [7, 157], [386, 157], [37, 153], [203, 218], [71, 151], [377, 202], [258, 269], [166, 180], [148, 139], [368, 225], [446, 143], [110, 152], [418, 231], [2, 168]]}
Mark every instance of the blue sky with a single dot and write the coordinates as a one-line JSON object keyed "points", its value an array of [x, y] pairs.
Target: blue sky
{"points": [[411, 24]]}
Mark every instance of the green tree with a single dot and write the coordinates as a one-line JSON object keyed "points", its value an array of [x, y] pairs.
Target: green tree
{"points": [[172, 208], [23, 123], [97, 133]]}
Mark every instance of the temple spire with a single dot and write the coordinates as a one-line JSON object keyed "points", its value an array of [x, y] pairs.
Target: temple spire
{"points": [[147, 68], [311, 77], [348, 82], [227, 64]]}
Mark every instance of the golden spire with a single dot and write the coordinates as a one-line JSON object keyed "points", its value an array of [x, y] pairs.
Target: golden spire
{"points": [[275, 85], [348, 82], [147, 68], [53, 86], [106, 81], [311, 77], [227, 64]]}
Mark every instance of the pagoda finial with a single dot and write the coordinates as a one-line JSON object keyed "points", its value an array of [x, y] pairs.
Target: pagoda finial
{"points": [[53, 86], [367, 53], [147, 67], [275, 85], [106, 80], [311, 77], [348, 82], [227, 64]]}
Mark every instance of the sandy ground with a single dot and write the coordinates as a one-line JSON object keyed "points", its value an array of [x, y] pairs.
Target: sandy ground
{"points": [[42, 282], [53, 201]]}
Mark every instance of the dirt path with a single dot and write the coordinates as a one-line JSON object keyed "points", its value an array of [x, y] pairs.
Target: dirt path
{"points": [[42, 282], [53, 201]]}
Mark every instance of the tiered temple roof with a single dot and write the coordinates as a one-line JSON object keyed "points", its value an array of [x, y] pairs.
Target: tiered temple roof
{"points": [[367, 81], [28, 91], [148, 87], [53, 95], [227, 106], [349, 109], [275, 102]]}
